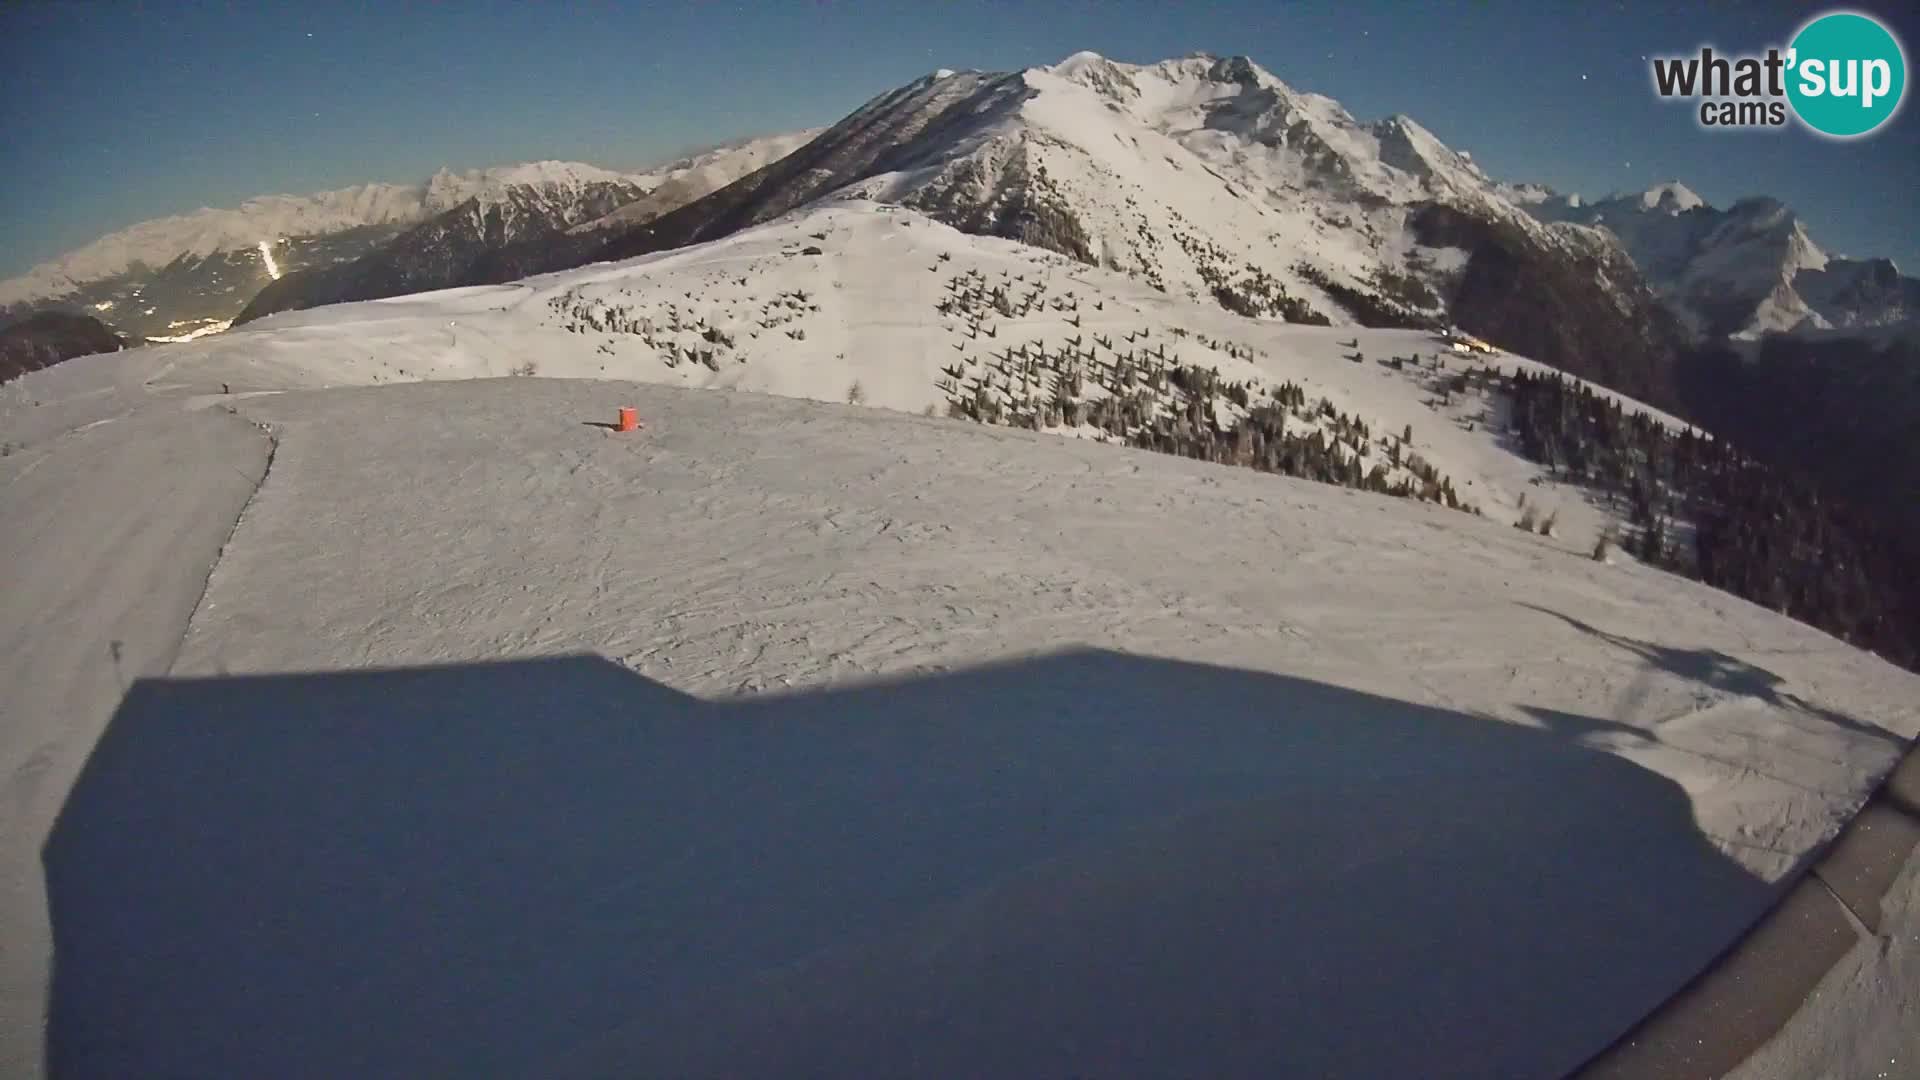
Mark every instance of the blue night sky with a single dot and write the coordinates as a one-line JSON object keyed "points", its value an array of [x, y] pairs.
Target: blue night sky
{"points": [[114, 113]]}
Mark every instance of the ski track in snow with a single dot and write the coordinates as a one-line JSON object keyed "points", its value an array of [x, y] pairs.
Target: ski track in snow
{"points": [[108, 541]]}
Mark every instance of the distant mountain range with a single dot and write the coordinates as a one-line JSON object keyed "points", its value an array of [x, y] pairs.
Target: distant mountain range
{"points": [[183, 276], [459, 246], [1744, 271]]}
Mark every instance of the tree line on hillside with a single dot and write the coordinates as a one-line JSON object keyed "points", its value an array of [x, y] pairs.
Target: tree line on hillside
{"points": [[1192, 411], [46, 338], [1378, 310], [1335, 454], [1701, 507], [1846, 411]]}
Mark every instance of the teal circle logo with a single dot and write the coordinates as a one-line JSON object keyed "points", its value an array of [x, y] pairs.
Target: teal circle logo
{"points": [[1846, 74]]}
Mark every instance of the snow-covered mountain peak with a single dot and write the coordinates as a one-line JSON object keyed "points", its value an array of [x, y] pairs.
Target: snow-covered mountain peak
{"points": [[1166, 93], [1672, 197], [1110, 79], [1207, 67], [448, 189], [1232, 112], [1239, 71], [1745, 271], [1771, 223], [1205, 177], [1079, 62], [1531, 194], [1763, 213], [1407, 146], [445, 190]]}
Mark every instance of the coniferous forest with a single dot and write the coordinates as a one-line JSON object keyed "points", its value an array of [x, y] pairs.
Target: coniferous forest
{"points": [[1700, 507], [1844, 410], [1178, 409]]}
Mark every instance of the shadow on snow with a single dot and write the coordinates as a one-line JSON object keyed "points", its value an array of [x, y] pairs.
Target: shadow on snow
{"points": [[1086, 862], [1714, 670]]}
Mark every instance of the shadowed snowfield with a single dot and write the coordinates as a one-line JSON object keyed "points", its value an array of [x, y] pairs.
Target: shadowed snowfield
{"points": [[1079, 862], [791, 737]]}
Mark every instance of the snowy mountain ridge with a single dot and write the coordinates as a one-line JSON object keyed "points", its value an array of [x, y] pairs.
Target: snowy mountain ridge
{"points": [[682, 181], [1672, 197], [1231, 114], [1322, 197], [447, 188], [1189, 171], [1745, 271], [1208, 178], [1190, 96], [193, 273], [208, 231]]}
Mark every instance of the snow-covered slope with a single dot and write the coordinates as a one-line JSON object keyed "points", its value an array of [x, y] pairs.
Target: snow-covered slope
{"points": [[1191, 173], [1282, 674], [1209, 178], [854, 298], [1748, 270]]}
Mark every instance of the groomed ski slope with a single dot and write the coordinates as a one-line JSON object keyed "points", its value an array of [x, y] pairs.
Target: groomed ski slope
{"points": [[1034, 752]]}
